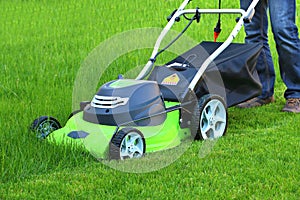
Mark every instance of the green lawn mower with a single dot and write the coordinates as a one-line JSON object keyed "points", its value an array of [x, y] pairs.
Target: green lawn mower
{"points": [[187, 97]]}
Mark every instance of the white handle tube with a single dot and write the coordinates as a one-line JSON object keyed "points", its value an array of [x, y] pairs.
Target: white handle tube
{"points": [[159, 40], [218, 51]]}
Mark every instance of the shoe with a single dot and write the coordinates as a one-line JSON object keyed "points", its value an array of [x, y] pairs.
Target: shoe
{"points": [[255, 102], [292, 105]]}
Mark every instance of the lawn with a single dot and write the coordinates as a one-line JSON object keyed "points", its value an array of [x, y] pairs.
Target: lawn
{"points": [[46, 46]]}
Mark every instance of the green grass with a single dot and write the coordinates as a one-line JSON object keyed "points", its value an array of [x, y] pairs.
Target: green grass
{"points": [[43, 45]]}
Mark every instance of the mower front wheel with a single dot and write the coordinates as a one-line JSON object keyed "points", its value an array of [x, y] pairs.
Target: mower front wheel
{"points": [[44, 125], [127, 143]]}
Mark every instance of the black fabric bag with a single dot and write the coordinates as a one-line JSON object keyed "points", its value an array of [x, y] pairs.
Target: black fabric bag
{"points": [[232, 75]]}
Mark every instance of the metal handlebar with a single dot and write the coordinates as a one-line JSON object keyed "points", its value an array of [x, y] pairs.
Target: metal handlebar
{"points": [[248, 14]]}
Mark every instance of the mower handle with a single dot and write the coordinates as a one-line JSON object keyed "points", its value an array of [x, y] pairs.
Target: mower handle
{"points": [[248, 14], [149, 65], [180, 11]]}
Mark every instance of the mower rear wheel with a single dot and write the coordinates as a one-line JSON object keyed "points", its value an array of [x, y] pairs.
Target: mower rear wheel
{"points": [[127, 143], [44, 125], [212, 117]]}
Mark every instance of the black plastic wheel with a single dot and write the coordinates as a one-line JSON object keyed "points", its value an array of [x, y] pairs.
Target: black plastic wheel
{"points": [[211, 117], [127, 143], [44, 125]]}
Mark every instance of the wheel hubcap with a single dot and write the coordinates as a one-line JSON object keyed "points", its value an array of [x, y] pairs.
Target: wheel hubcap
{"points": [[45, 128], [213, 120], [132, 146]]}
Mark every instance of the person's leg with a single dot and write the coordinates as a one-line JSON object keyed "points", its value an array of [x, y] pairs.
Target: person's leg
{"points": [[257, 32], [282, 15]]}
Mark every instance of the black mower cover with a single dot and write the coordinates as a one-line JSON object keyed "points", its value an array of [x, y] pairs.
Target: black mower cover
{"points": [[232, 75]]}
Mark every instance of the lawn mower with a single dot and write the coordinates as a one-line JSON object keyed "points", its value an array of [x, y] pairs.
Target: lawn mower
{"points": [[187, 97]]}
